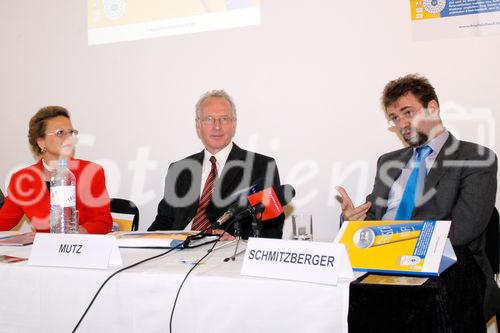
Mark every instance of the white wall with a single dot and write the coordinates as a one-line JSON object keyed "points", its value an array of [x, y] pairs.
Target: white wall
{"points": [[307, 84]]}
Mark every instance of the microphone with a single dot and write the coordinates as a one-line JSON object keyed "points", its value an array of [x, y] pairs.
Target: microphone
{"points": [[265, 203], [268, 203], [238, 204], [228, 215]]}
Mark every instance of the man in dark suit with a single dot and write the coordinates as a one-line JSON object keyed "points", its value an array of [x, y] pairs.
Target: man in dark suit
{"points": [[458, 181], [200, 188]]}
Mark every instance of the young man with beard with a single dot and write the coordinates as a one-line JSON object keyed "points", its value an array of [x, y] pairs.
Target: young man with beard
{"points": [[436, 177]]}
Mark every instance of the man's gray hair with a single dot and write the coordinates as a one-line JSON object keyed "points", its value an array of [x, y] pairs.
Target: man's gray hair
{"points": [[215, 93]]}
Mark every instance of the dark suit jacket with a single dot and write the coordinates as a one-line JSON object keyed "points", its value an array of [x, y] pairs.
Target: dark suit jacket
{"points": [[461, 187], [183, 187]]}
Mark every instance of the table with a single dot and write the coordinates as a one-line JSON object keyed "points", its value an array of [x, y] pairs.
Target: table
{"points": [[215, 298], [452, 302]]}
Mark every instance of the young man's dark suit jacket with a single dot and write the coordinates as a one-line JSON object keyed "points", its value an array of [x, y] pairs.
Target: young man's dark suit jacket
{"points": [[464, 176], [242, 169]]}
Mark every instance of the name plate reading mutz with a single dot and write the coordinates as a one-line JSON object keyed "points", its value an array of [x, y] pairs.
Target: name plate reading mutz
{"points": [[75, 250]]}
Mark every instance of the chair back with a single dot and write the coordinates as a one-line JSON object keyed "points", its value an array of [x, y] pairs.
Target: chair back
{"points": [[493, 241], [1, 198], [123, 206]]}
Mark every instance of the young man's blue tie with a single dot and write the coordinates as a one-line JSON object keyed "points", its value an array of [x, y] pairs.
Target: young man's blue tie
{"points": [[414, 186]]}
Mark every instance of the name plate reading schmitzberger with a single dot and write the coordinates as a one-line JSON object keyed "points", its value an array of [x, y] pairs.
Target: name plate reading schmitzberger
{"points": [[75, 250], [315, 262]]}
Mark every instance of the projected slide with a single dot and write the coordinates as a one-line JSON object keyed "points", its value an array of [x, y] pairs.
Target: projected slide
{"points": [[111, 21], [437, 19]]}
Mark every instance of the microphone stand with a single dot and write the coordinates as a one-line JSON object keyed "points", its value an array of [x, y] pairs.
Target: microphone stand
{"points": [[256, 226], [237, 233]]}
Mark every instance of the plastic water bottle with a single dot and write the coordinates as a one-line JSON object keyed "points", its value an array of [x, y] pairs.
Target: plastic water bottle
{"points": [[63, 214]]}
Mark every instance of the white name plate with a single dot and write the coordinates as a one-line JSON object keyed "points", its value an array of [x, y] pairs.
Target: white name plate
{"points": [[75, 250], [315, 262]]}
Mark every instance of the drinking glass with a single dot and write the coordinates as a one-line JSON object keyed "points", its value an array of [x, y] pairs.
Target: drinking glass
{"points": [[302, 227]]}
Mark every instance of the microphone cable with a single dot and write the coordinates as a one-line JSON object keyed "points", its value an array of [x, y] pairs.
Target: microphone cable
{"points": [[191, 269], [184, 243]]}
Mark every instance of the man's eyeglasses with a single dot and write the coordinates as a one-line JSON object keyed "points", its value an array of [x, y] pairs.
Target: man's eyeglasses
{"points": [[62, 132], [210, 120], [394, 120]]}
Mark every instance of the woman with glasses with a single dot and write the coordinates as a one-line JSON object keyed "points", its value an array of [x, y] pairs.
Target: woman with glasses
{"points": [[52, 137]]}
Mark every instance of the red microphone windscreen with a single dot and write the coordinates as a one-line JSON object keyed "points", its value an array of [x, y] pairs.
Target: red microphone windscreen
{"points": [[270, 201]]}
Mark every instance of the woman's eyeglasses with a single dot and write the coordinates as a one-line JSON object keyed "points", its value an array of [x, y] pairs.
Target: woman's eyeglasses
{"points": [[62, 132]]}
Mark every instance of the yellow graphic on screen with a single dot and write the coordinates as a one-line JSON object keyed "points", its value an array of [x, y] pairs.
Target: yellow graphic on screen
{"points": [[109, 13], [426, 9]]}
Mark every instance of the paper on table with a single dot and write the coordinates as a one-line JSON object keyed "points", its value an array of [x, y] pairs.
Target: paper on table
{"points": [[156, 239], [18, 240], [11, 259], [395, 280]]}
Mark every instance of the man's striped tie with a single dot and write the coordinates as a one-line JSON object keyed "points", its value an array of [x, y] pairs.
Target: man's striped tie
{"points": [[200, 221]]}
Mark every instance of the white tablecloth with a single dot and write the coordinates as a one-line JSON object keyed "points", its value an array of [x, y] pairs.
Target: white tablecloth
{"points": [[215, 298]]}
